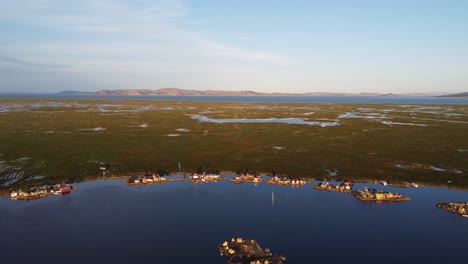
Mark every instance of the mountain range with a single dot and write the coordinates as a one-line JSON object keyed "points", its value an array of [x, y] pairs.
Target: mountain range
{"points": [[178, 92]]}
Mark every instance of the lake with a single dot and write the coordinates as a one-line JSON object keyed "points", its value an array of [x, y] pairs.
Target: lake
{"points": [[263, 99], [181, 222]]}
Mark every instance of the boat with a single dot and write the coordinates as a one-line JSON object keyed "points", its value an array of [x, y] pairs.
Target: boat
{"points": [[65, 189], [415, 185], [195, 178], [14, 195], [384, 183], [236, 179], [157, 178], [147, 180]]}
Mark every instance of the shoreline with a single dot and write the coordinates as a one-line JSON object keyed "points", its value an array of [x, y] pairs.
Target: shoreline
{"points": [[7, 191]]}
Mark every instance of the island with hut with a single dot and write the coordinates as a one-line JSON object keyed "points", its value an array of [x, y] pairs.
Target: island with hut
{"points": [[246, 175], [373, 195], [344, 187], [202, 175], [146, 179], [42, 191], [247, 251], [286, 180], [458, 208]]}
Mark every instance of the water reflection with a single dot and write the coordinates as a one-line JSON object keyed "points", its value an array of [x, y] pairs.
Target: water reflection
{"points": [[295, 121], [181, 222]]}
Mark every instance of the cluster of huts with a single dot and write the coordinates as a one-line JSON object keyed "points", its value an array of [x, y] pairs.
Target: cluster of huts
{"points": [[145, 179], [245, 176], [252, 178], [204, 177], [42, 191], [291, 181], [459, 208], [378, 195], [344, 187], [247, 251]]}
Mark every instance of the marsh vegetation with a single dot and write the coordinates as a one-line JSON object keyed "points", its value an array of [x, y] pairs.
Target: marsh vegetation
{"points": [[49, 141]]}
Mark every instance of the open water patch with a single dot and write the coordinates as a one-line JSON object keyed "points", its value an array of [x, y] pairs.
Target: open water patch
{"points": [[402, 166], [443, 120], [354, 115], [390, 123], [96, 129], [294, 121], [437, 169], [37, 177], [279, 147]]}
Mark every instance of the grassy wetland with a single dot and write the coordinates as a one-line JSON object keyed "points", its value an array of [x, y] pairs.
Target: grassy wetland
{"points": [[55, 140]]}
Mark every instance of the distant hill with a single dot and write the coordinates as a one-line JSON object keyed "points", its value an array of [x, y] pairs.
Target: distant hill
{"points": [[465, 94], [178, 91], [70, 92], [174, 92]]}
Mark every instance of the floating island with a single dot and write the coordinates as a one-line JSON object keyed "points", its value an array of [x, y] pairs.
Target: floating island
{"points": [[287, 181], [145, 179], [210, 177], [247, 251], [344, 187], [373, 195], [247, 178], [42, 191], [459, 208]]}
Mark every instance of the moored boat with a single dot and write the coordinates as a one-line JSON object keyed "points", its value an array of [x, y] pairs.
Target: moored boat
{"points": [[14, 195], [65, 190]]}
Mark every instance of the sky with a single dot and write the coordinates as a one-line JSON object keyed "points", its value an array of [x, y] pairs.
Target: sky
{"points": [[386, 46]]}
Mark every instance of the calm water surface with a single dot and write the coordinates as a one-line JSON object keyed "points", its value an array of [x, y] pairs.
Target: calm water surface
{"points": [[109, 222]]}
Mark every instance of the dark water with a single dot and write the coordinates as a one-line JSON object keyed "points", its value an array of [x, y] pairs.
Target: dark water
{"points": [[108, 222], [282, 99]]}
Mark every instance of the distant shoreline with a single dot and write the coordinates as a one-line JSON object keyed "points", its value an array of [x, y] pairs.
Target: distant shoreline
{"points": [[186, 92], [4, 192], [348, 99]]}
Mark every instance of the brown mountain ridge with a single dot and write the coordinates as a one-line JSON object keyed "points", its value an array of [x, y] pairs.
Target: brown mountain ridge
{"points": [[186, 92]]}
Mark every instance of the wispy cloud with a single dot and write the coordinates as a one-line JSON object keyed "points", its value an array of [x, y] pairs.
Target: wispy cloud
{"points": [[100, 38], [20, 62], [152, 27]]}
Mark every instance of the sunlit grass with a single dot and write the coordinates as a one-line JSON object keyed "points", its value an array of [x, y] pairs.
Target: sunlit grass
{"points": [[61, 139]]}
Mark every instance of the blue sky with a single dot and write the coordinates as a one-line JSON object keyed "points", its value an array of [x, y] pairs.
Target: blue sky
{"points": [[265, 45]]}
